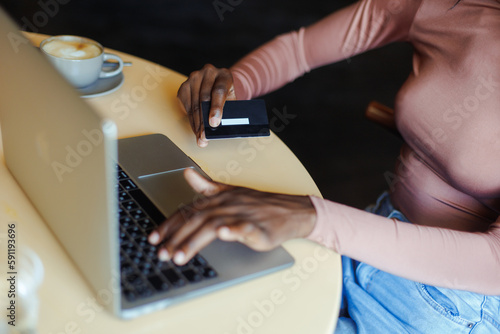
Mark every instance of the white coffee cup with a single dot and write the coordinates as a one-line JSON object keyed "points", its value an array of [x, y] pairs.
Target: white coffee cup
{"points": [[80, 60]]}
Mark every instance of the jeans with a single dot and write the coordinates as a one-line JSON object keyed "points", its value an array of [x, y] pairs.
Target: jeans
{"points": [[374, 301]]}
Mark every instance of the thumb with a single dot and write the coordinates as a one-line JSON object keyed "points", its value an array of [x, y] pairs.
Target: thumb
{"points": [[200, 184]]}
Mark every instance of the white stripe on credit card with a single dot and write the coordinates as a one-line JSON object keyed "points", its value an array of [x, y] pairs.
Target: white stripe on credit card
{"points": [[235, 121]]}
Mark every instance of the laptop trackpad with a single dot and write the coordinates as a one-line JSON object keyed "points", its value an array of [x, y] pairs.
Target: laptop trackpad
{"points": [[168, 190]]}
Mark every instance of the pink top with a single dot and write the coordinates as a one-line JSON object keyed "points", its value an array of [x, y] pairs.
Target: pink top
{"points": [[447, 179]]}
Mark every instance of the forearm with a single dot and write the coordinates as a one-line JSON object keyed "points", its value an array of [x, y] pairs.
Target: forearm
{"points": [[436, 256], [271, 66], [361, 26]]}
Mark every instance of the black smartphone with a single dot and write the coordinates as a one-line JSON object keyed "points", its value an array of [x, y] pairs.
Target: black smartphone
{"points": [[240, 119]]}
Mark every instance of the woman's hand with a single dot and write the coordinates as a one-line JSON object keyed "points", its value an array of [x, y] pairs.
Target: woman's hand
{"points": [[260, 220], [208, 84]]}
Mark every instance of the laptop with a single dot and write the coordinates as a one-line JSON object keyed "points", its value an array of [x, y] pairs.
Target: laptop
{"points": [[101, 196]]}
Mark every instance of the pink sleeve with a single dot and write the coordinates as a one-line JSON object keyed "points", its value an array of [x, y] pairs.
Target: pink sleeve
{"points": [[359, 27], [431, 255]]}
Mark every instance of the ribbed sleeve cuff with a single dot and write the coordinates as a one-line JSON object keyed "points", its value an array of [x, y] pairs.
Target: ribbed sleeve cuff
{"points": [[241, 90], [324, 231]]}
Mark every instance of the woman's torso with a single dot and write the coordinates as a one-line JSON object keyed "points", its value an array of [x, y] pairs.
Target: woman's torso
{"points": [[448, 112]]}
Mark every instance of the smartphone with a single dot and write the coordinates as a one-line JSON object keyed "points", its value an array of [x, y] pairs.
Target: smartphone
{"points": [[240, 119]]}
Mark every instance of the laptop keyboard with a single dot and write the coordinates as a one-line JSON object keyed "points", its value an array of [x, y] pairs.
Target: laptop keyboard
{"points": [[142, 274]]}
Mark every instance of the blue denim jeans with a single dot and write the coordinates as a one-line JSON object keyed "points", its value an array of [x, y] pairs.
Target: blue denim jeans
{"points": [[377, 302]]}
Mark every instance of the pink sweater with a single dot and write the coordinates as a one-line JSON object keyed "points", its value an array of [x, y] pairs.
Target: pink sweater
{"points": [[447, 179]]}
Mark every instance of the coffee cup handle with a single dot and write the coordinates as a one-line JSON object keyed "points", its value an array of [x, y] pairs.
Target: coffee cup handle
{"points": [[107, 74]]}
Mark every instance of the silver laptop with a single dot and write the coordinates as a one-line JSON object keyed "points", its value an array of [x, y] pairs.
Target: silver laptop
{"points": [[64, 155]]}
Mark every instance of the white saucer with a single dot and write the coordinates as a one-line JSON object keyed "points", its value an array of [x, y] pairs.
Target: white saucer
{"points": [[102, 86]]}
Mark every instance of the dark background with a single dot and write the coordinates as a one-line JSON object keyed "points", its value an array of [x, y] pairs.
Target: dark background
{"points": [[346, 154]]}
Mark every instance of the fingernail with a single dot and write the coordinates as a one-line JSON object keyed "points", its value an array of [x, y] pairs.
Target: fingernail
{"points": [[224, 232], [163, 255], [154, 238], [214, 121], [179, 257], [202, 143]]}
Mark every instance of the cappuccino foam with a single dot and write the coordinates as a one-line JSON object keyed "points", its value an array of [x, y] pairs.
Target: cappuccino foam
{"points": [[72, 49]]}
